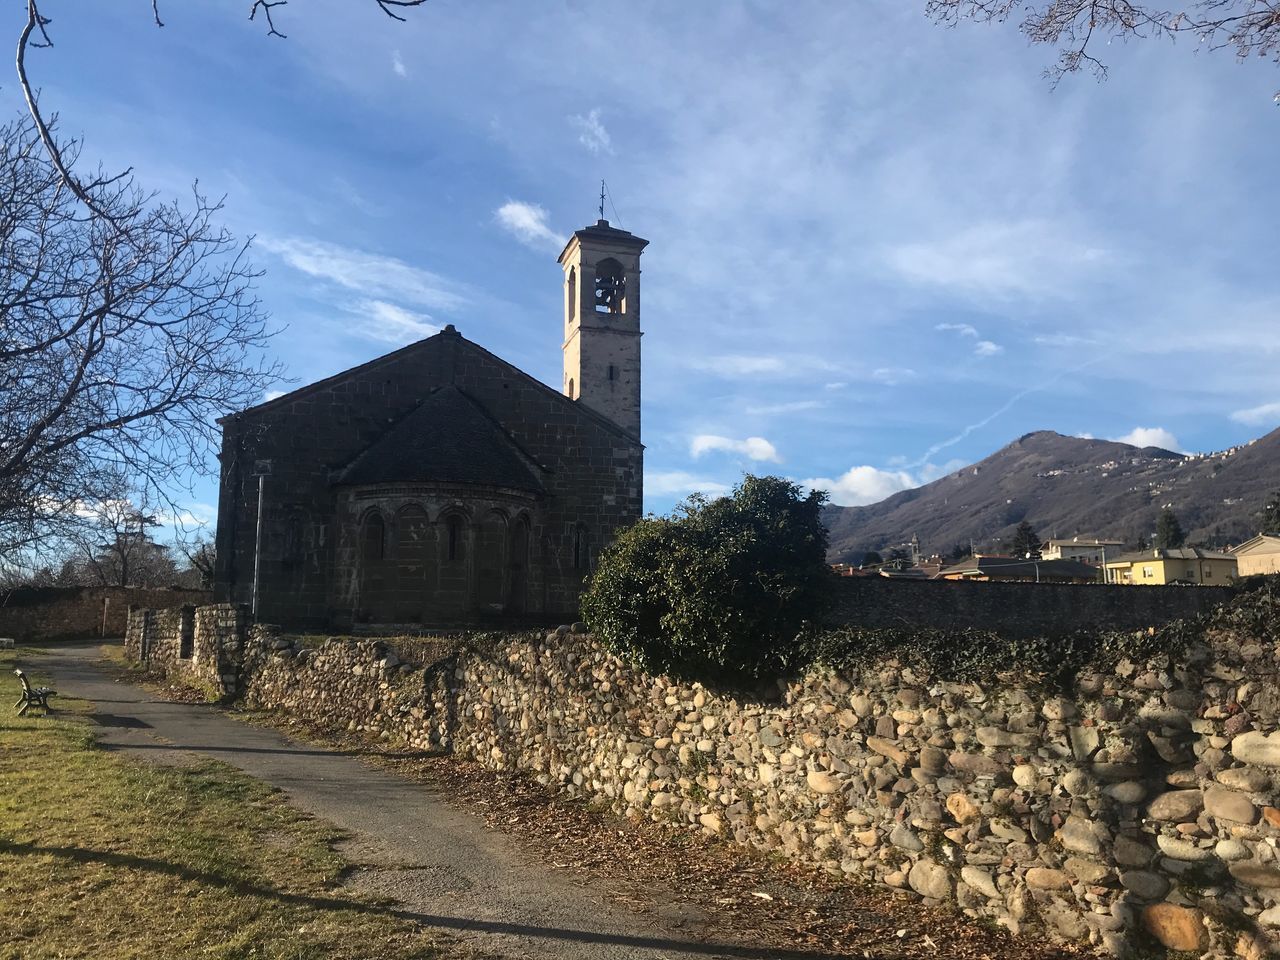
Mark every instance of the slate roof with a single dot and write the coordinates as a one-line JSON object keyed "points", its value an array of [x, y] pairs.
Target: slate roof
{"points": [[448, 438], [1018, 568], [1181, 553]]}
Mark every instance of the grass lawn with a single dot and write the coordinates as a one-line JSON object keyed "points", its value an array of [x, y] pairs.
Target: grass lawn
{"points": [[108, 857]]}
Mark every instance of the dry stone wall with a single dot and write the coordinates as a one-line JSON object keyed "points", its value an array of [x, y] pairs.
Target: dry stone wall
{"points": [[200, 646], [1138, 807]]}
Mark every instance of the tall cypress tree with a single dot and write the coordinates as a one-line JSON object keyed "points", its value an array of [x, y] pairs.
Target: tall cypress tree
{"points": [[1169, 535]]}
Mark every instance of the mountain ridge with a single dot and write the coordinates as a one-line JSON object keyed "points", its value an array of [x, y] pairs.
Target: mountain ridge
{"points": [[1070, 486]]}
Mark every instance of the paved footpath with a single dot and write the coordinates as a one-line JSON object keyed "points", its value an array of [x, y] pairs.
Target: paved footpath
{"points": [[444, 866]]}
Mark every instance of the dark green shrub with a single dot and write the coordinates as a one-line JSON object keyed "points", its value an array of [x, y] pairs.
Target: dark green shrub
{"points": [[719, 591]]}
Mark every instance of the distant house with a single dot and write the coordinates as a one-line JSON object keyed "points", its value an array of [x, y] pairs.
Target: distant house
{"points": [[1085, 551], [1256, 556], [1017, 568], [1184, 565]]}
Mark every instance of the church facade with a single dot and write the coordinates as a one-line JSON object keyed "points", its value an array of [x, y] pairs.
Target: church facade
{"points": [[439, 484]]}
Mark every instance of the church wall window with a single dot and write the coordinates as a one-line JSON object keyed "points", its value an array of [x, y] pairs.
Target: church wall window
{"points": [[580, 552], [573, 293], [571, 388]]}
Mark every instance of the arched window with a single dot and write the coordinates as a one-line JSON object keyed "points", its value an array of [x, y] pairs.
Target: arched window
{"points": [[373, 538], [611, 287], [518, 564], [454, 541], [580, 557], [373, 574], [490, 560], [573, 293], [571, 388], [414, 562]]}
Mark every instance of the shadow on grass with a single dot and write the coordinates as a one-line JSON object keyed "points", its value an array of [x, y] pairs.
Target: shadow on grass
{"points": [[245, 888]]}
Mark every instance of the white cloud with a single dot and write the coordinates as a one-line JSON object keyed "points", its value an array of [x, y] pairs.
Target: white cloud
{"points": [[592, 133], [983, 348], [1150, 437], [1063, 340], [775, 409], [737, 365], [527, 222], [389, 323], [892, 376], [666, 483], [1025, 258], [792, 366], [397, 64], [864, 484], [1267, 413], [370, 274], [194, 516], [754, 448], [835, 385], [273, 395]]}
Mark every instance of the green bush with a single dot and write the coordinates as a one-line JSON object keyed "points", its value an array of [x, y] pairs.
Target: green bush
{"points": [[721, 590]]}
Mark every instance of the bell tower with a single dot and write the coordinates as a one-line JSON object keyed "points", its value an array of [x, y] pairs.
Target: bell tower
{"points": [[602, 322]]}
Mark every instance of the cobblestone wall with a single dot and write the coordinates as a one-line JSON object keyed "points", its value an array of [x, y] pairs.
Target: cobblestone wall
{"points": [[1135, 808]]}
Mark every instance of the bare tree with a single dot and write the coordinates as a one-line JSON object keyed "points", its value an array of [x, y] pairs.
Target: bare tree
{"points": [[125, 330], [201, 554], [114, 549], [1249, 27]]}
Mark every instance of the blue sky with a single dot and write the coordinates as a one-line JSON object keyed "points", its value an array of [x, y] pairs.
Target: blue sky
{"points": [[878, 247]]}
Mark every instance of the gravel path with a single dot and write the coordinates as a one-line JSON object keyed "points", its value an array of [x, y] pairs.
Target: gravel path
{"points": [[444, 866]]}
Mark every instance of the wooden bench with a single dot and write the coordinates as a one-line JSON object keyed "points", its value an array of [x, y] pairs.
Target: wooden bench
{"points": [[32, 696]]}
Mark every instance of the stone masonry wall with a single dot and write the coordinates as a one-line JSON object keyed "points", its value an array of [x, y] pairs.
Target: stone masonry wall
{"points": [[1135, 807], [77, 613], [201, 646]]}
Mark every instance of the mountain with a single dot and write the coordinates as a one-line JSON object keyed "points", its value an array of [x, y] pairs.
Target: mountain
{"points": [[1068, 486]]}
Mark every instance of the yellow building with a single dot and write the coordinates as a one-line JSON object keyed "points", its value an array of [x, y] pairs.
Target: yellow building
{"points": [[1257, 556], [1185, 565]]}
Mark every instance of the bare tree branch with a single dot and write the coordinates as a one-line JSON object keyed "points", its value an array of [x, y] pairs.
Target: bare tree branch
{"points": [[122, 338], [1249, 27]]}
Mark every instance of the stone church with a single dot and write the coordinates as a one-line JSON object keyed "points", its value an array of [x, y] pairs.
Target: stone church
{"points": [[439, 484]]}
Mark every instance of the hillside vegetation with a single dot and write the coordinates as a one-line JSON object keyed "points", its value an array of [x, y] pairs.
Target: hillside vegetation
{"points": [[1069, 486]]}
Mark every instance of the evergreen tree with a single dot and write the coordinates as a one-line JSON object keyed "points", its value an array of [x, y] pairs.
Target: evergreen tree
{"points": [[1169, 535], [871, 558], [1271, 515], [1026, 542]]}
